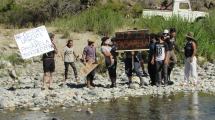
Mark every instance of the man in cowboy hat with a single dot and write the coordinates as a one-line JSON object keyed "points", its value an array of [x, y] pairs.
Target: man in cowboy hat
{"points": [[190, 58], [89, 56]]}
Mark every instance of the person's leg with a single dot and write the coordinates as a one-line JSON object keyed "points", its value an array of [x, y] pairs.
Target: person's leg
{"points": [[74, 70], [46, 69], [187, 70], [93, 73], [88, 80], [128, 70], [165, 74], [193, 69], [66, 65], [45, 79], [143, 69], [158, 73], [139, 73], [50, 81], [52, 69], [112, 75]]}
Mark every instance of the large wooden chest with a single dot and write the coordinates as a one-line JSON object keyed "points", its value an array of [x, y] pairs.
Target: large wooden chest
{"points": [[132, 39]]}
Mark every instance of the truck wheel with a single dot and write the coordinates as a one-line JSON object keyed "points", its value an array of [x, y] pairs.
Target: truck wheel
{"points": [[200, 19]]}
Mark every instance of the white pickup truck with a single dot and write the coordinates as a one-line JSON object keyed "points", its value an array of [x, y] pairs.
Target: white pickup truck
{"points": [[178, 8]]}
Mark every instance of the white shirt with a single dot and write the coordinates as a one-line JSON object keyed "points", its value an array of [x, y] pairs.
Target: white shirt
{"points": [[68, 54], [107, 49]]}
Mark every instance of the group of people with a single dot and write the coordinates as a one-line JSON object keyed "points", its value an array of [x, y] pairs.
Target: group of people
{"points": [[162, 57], [161, 60], [69, 56]]}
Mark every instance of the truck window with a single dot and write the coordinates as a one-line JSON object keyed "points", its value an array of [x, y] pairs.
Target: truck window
{"points": [[184, 6]]}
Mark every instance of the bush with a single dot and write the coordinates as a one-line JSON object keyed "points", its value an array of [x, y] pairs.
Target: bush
{"points": [[30, 12]]}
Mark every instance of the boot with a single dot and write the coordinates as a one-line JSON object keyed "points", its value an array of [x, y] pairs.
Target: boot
{"points": [[113, 83], [89, 84], [130, 81]]}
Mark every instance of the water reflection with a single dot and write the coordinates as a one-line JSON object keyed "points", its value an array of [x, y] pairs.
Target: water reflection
{"points": [[189, 106], [194, 106]]}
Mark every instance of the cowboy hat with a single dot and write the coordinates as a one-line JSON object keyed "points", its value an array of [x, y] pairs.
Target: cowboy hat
{"points": [[190, 35]]}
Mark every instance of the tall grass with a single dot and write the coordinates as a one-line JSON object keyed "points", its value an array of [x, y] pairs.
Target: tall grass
{"points": [[101, 21]]}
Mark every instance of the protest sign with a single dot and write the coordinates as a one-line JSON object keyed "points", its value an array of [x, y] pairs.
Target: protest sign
{"points": [[85, 70], [33, 42]]}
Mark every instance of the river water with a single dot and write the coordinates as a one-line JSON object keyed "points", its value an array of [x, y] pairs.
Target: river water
{"points": [[183, 106]]}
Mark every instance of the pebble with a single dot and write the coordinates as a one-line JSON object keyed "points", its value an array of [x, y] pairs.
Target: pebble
{"points": [[35, 109], [89, 111]]}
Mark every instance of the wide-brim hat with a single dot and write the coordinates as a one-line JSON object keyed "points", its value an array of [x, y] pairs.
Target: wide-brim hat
{"points": [[190, 35], [91, 40]]}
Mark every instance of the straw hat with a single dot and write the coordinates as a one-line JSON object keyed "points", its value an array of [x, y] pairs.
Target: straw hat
{"points": [[91, 40], [190, 35]]}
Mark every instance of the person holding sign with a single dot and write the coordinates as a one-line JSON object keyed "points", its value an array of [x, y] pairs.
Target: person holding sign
{"points": [[89, 57], [160, 59], [69, 57], [49, 64]]}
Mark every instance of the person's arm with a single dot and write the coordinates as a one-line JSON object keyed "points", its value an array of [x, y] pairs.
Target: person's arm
{"points": [[55, 48], [153, 59], [84, 56], [62, 54], [75, 55], [166, 59], [194, 51]]}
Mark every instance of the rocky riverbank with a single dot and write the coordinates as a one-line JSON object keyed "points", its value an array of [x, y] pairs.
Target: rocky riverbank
{"points": [[26, 91]]}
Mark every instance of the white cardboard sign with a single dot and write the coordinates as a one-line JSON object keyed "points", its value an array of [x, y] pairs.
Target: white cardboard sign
{"points": [[33, 42]]}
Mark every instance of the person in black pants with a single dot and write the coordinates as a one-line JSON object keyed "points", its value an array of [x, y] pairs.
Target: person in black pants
{"points": [[160, 59], [151, 67], [108, 50], [134, 66]]}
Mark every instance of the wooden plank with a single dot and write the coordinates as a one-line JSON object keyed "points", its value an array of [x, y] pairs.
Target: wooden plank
{"points": [[85, 70], [132, 50]]}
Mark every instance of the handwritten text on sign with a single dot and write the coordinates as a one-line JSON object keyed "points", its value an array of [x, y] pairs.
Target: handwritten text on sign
{"points": [[34, 42]]}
